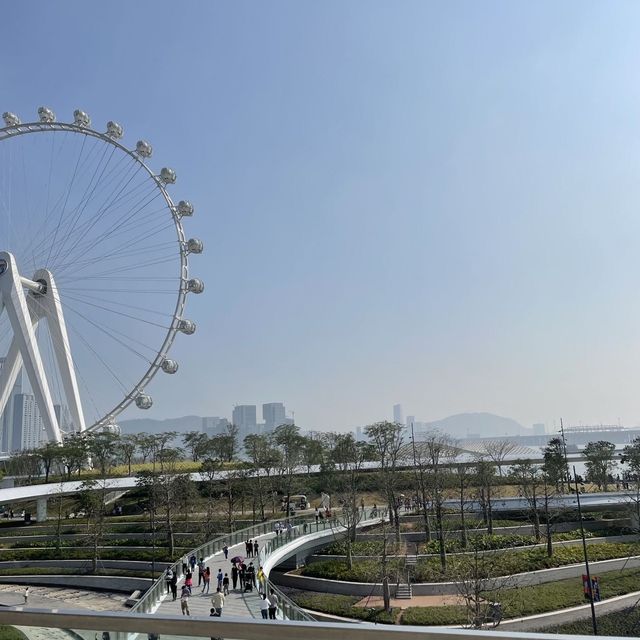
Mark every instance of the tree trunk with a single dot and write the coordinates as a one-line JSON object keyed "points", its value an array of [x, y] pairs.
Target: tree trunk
{"points": [[489, 511], [463, 529]]}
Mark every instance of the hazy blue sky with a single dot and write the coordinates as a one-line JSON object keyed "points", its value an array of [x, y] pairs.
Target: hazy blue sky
{"points": [[428, 203]]}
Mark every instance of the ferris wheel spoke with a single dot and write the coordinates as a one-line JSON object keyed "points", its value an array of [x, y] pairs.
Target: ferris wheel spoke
{"points": [[109, 202], [119, 313]]}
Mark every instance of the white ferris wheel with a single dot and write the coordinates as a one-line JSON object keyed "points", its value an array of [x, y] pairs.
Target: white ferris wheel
{"points": [[94, 271]]}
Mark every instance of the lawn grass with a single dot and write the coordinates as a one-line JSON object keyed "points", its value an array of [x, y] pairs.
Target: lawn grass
{"points": [[516, 602], [489, 565], [10, 633], [624, 623]]}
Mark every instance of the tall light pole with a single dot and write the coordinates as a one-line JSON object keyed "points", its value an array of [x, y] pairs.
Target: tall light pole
{"points": [[594, 622], [566, 459]]}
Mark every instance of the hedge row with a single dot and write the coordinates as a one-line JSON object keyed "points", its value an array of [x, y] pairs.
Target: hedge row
{"points": [[489, 566]]}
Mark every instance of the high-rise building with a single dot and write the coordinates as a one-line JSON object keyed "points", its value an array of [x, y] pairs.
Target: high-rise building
{"points": [[273, 414], [244, 417], [212, 425], [28, 428], [397, 414]]}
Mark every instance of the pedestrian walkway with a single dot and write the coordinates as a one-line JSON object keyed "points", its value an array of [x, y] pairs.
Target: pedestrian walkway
{"points": [[237, 603]]}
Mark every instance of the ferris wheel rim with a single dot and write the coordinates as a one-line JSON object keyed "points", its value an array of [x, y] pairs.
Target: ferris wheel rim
{"points": [[15, 130]]}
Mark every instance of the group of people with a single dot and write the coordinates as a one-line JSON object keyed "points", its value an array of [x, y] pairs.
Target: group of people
{"points": [[243, 577], [251, 549]]}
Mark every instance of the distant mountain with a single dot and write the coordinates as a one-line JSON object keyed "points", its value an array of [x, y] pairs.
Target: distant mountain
{"points": [[147, 425], [463, 425]]}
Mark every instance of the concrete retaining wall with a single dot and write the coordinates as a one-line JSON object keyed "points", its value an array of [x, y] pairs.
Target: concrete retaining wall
{"points": [[308, 583], [130, 565], [567, 543], [554, 618], [97, 583]]}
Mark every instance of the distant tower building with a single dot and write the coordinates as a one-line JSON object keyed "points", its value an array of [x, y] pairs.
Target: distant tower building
{"points": [[28, 427], [244, 417], [538, 429], [410, 422], [397, 413], [214, 426], [273, 414]]}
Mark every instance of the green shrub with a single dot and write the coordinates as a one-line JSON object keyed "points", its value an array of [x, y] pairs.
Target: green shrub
{"points": [[434, 615], [340, 605], [10, 633]]}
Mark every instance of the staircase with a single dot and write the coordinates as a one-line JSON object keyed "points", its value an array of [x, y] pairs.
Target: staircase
{"points": [[404, 591]]}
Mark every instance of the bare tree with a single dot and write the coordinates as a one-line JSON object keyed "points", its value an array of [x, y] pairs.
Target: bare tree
{"points": [[498, 450], [527, 476], [349, 456], [387, 439], [432, 455]]}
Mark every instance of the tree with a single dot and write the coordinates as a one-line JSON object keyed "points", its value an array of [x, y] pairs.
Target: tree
{"points": [[102, 447], [498, 450], [485, 476], [196, 442], [127, 447], [148, 481], [463, 478], [527, 476], [263, 457], [430, 455], [73, 453], [92, 497], [312, 452], [555, 464], [48, 454], [599, 462], [349, 457], [631, 457], [289, 443], [386, 440]]}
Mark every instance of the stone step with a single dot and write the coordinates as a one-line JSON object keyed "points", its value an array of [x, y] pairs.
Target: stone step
{"points": [[404, 592]]}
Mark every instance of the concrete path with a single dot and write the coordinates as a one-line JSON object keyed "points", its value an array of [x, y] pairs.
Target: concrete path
{"points": [[237, 603]]}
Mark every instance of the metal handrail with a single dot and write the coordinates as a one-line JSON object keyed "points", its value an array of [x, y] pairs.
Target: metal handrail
{"points": [[122, 625], [300, 525]]}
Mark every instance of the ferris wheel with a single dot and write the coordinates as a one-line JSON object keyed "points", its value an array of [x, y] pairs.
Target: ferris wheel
{"points": [[94, 271]]}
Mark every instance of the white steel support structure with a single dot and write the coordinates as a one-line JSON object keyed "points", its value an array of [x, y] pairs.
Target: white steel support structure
{"points": [[25, 310]]}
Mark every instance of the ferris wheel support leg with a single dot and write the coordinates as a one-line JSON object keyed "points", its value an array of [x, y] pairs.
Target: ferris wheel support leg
{"points": [[51, 307], [15, 303], [9, 374]]}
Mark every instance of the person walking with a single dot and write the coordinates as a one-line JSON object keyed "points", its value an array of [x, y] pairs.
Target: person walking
{"points": [[273, 606], [251, 574], [26, 595], [225, 584], [225, 550], [201, 568], [184, 600], [234, 576], [185, 564], [168, 577], [219, 578], [192, 562], [264, 606], [317, 514], [261, 581], [217, 600], [174, 586], [206, 580], [188, 581], [256, 548]]}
